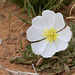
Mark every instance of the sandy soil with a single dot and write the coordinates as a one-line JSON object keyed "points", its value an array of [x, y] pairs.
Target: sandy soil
{"points": [[9, 47]]}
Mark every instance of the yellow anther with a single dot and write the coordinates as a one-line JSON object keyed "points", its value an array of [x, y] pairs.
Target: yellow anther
{"points": [[50, 35]]}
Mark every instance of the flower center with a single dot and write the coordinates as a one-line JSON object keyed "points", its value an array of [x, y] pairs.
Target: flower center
{"points": [[50, 35]]}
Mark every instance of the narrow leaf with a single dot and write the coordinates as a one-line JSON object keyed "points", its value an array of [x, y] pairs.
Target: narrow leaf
{"points": [[20, 43], [9, 17], [31, 8], [40, 62], [23, 20], [40, 8], [20, 51], [67, 69]]}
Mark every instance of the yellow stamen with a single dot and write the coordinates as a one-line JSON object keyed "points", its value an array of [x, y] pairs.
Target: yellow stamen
{"points": [[50, 35]]}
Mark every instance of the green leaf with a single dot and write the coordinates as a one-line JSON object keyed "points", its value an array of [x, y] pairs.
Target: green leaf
{"points": [[28, 54], [20, 51], [20, 43], [9, 17], [29, 13], [23, 20], [31, 8], [28, 47], [38, 69], [40, 8], [46, 5], [20, 60]]}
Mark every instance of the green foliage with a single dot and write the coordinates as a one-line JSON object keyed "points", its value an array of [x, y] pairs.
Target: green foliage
{"points": [[19, 3], [9, 17], [20, 43], [23, 20], [35, 7], [28, 54], [29, 4], [28, 57], [45, 4], [67, 2], [20, 60]]}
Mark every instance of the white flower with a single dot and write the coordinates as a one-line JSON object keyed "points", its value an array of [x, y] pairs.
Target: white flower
{"points": [[48, 27]]}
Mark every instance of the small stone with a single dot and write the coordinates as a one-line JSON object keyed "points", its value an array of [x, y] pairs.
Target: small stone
{"points": [[17, 51], [22, 32], [0, 41]]}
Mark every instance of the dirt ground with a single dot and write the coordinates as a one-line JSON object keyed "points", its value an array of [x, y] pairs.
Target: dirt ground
{"points": [[11, 44]]}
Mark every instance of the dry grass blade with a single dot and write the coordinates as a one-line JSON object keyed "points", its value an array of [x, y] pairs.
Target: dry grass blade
{"points": [[72, 9], [14, 22], [67, 69], [21, 26], [70, 17], [17, 21], [10, 72], [40, 61]]}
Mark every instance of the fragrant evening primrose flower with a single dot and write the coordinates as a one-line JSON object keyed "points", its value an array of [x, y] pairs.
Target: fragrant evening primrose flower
{"points": [[48, 29]]}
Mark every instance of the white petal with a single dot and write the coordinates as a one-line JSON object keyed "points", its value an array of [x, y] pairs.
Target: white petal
{"points": [[59, 22], [39, 22], [65, 34], [49, 17], [49, 50], [38, 47], [34, 34], [61, 45]]}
